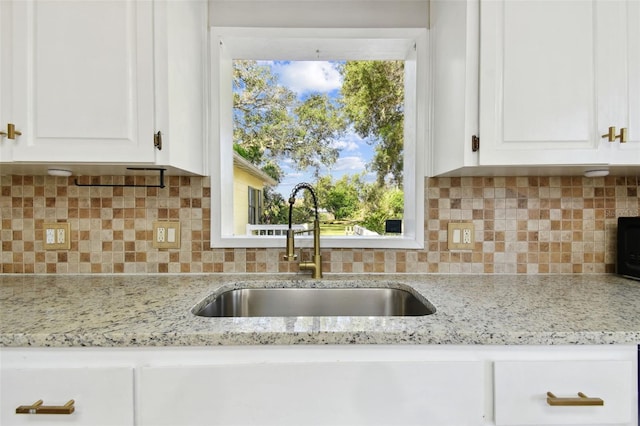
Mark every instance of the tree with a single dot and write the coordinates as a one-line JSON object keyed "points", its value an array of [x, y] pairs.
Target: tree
{"points": [[272, 124], [276, 208], [373, 99], [320, 123], [381, 204], [339, 198]]}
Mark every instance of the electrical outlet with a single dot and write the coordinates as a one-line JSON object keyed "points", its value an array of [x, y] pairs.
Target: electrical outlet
{"points": [[460, 236], [166, 234], [56, 236]]}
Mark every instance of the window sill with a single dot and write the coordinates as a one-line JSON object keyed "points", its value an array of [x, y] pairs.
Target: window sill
{"points": [[329, 242]]}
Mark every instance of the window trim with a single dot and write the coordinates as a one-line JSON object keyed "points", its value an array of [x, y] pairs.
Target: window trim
{"points": [[249, 43]]}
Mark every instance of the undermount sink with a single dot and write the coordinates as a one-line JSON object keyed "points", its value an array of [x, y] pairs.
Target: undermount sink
{"points": [[297, 301]]}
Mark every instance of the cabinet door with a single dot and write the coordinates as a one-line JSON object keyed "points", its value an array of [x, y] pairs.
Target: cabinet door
{"points": [[345, 393], [5, 84], [102, 396], [537, 91], [455, 54], [619, 78], [521, 392], [83, 81]]}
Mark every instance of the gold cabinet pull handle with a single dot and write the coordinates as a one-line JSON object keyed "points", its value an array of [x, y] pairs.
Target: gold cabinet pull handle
{"points": [[611, 134], [581, 400], [623, 135], [38, 408], [11, 132]]}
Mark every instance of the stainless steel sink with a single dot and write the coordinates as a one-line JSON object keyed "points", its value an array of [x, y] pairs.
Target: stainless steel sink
{"points": [[286, 302]]}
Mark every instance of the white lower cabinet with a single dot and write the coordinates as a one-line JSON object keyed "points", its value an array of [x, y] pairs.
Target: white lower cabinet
{"points": [[313, 393], [435, 385], [521, 392], [100, 396]]}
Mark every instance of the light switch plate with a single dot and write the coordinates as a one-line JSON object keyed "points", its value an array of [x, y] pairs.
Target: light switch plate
{"points": [[166, 234], [460, 236], [56, 236]]}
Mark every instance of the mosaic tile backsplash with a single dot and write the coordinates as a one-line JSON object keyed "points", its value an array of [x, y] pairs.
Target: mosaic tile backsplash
{"points": [[524, 225]]}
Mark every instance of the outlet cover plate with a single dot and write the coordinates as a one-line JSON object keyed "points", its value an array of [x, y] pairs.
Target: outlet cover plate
{"points": [[56, 236], [166, 234], [460, 236]]}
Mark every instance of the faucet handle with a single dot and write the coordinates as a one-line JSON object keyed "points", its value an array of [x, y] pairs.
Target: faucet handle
{"points": [[291, 255]]}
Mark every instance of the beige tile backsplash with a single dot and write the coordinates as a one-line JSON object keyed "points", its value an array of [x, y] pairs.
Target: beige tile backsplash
{"points": [[524, 225]]}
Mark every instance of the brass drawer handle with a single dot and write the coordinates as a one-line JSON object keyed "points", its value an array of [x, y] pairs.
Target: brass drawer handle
{"points": [[38, 408], [11, 132], [581, 400]]}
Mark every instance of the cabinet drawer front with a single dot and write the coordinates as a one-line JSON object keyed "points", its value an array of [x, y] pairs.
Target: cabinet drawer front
{"points": [[346, 393], [521, 392], [103, 396]]}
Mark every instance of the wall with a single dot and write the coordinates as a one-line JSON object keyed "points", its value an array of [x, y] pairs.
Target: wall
{"points": [[319, 13], [242, 181], [526, 225]]}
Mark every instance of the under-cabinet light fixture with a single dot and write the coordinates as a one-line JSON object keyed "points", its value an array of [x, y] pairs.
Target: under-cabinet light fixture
{"points": [[59, 172], [596, 173]]}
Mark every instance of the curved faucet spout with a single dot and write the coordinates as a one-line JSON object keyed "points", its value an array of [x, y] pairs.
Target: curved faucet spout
{"points": [[292, 198], [316, 265]]}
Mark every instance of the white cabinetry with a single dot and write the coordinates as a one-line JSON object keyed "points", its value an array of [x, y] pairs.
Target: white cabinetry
{"points": [[553, 77], [180, 35], [537, 92], [314, 393], [521, 392], [101, 396], [82, 81], [619, 85], [454, 54], [91, 82], [342, 384]]}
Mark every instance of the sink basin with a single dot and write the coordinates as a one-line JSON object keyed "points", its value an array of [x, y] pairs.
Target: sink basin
{"points": [[286, 302]]}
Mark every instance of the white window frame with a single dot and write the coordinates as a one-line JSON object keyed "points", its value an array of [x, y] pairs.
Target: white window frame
{"points": [[408, 44]]}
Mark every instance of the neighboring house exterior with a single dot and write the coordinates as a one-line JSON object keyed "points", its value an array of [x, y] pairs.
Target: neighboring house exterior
{"points": [[248, 196]]}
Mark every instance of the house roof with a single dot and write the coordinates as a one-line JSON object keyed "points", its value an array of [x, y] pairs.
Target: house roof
{"points": [[250, 168]]}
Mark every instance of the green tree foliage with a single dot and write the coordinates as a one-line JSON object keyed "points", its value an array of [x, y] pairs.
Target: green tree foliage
{"points": [[339, 198], [383, 204], [276, 209], [271, 124], [373, 98]]}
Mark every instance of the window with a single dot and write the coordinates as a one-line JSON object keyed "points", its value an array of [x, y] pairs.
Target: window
{"points": [[408, 45], [255, 206]]}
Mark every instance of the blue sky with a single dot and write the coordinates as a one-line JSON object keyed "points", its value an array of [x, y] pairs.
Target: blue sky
{"points": [[305, 78]]}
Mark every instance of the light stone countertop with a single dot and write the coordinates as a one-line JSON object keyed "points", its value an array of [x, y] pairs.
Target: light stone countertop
{"points": [[155, 310]]}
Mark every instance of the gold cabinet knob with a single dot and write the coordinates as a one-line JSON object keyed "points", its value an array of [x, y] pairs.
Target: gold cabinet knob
{"points": [[623, 135], [11, 131], [611, 134]]}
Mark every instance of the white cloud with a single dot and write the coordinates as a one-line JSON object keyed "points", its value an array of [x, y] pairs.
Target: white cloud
{"points": [[353, 164], [352, 142], [308, 76], [345, 145]]}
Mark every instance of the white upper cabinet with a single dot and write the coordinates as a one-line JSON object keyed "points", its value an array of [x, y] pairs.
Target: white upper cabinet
{"points": [[82, 81], [454, 54], [180, 42], [91, 82], [619, 82], [537, 92], [553, 77]]}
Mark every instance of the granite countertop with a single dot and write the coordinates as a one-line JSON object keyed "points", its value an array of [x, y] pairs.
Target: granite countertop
{"points": [[155, 310]]}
